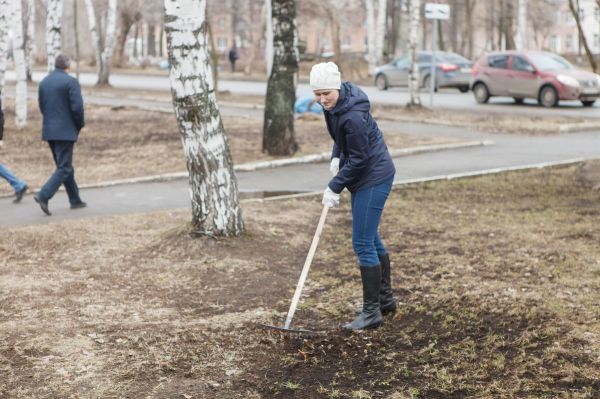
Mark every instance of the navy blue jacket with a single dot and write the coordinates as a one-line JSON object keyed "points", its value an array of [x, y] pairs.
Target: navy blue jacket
{"points": [[364, 158], [60, 101]]}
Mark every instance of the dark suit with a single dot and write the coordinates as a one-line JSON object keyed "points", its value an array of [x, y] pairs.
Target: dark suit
{"points": [[61, 104]]}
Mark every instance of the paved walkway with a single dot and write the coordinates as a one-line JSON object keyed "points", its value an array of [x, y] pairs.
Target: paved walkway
{"points": [[509, 151]]}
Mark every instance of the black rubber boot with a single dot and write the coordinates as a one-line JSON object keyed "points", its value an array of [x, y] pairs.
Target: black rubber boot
{"points": [[371, 316], [387, 303]]}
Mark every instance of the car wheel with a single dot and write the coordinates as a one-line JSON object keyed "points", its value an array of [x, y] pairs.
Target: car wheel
{"points": [[481, 93], [548, 96], [518, 100], [381, 82], [463, 89], [427, 83], [588, 103]]}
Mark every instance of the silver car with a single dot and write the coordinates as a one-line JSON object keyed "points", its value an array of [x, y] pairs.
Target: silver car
{"points": [[452, 70]]}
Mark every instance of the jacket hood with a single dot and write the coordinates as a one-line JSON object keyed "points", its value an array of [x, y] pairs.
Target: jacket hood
{"points": [[351, 98]]}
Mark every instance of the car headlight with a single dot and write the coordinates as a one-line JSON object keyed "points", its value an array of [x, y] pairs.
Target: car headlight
{"points": [[567, 80]]}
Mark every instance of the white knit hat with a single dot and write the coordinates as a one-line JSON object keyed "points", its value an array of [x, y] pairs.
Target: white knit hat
{"points": [[325, 75]]}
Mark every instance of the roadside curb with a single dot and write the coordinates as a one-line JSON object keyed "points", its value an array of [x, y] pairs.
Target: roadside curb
{"points": [[408, 182], [253, 166], [313, 158]]}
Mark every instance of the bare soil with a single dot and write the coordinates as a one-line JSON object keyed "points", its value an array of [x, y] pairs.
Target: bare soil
{"points": [[119, 143], [498, 279]]}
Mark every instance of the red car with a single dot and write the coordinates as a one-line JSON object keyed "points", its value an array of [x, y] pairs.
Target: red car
{"points": [[543, 76]]}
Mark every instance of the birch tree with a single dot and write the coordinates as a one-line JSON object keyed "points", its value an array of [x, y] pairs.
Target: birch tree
{"points": [[103, 49], [413, 43], [30, 38], [278, 128], [53, 31], [213, 186], [375, 32], [521, 36], [20, 67], [5, 10], [268, 36], [588, 52]]}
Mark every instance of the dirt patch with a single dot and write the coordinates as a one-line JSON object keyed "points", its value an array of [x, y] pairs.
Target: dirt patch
{"points": [[498, 279], [120, 143]]}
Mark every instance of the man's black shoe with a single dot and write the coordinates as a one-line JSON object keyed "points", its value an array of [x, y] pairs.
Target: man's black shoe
{"points": [[43, 204], [20, 194], [78, 205]]}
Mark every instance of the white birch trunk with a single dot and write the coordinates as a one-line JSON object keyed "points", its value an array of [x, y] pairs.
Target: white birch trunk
{"points": [[5, 10], [53, 31], [521, 36], [20, 67], [213, 185], [269, 36], [93, 27], [413, 43], [109, 43], [379, 39], [371, 57], [29, 54]]}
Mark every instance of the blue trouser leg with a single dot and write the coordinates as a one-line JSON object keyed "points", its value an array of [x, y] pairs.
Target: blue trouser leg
{"points": [[367, 207], [10, 177], [62, 152]]}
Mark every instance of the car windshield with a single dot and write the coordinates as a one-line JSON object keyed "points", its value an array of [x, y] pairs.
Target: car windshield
{"points": [[451, 57], [549, 62]]}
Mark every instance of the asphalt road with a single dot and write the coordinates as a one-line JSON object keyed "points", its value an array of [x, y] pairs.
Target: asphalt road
{"points": [[446, 98]]}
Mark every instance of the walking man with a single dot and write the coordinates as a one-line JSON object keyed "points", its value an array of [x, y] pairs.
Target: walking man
{"points": [[19, 185], [61, 104]]}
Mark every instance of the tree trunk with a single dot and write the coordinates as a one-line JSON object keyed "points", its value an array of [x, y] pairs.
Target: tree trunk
{"points": [[380, 36], [76, 34], [20, 67], [469, 6], [440, 39], [214, 57], [30, 38], [371, 58], [213, 186], [53, 30], [588, 52], [278, 129], [5, 10], [269, 36], [127, 21], [413, 44], [151, 40], [521, 36], [103, 54], [393, 30], [334, 24]]}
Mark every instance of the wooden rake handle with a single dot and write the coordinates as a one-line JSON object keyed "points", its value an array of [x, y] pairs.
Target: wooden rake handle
{"points": [[309, 258]]}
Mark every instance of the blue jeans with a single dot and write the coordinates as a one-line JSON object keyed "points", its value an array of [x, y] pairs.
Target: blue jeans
{"points": [[62, 152], [367, 206], [10, 177]]}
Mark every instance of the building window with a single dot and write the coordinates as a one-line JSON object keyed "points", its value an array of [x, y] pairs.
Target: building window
{"points": [[346, 42], [569, 42], [555, 43], [222, 43]]}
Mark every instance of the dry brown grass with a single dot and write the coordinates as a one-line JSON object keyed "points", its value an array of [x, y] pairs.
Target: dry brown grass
{"points": [[498, 279]]}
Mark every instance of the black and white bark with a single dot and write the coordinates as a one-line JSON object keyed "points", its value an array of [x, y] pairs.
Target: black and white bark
{"points": [[588, 52], [213, 186], [413, 44], [53, 30], [278, 128], [103, 49], [30, 38], [20, 66], [5, 11], [268, 36]]}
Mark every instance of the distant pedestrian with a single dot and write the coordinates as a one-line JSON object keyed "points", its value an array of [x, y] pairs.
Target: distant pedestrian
{"points": [[361, 163], [61, 104], [233, 57], [17, 184]]}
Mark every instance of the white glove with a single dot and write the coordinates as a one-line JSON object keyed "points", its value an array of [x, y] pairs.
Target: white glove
{"points": [[334, 166], [330, 198]]}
